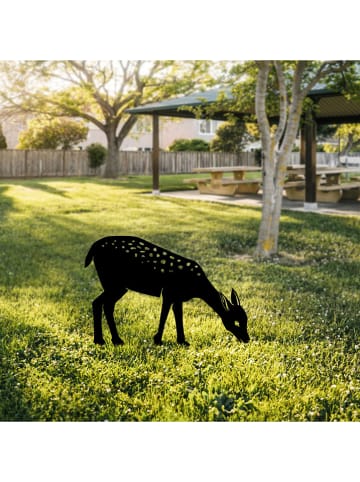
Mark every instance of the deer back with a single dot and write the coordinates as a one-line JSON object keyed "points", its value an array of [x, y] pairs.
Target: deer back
{"points": [[142, 266]]}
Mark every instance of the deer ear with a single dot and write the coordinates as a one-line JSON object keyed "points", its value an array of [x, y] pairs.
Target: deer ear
{"points": [[225, 302], [235, 298]]}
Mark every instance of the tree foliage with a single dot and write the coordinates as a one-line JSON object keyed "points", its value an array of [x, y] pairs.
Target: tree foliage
{"points": [[46, 133], [3, 143], [231, 136], [276, 92], [349, 137], [96, 154], [99, 92], [189, 145]]}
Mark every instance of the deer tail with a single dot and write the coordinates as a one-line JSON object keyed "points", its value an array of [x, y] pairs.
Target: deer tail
{"points": [[90, 255]]}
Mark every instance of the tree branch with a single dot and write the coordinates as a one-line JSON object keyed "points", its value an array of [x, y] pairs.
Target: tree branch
{"points": [[260, 102], [283, 101]]}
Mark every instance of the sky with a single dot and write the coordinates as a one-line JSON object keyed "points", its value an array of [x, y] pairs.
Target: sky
{"points": [[188, 29]]}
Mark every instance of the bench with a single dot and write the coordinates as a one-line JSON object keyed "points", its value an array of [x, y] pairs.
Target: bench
{"points": [[207, 186], [294, 184], [226, 186], [243, 186], [295, 190], [346, 190], [240, 181], [197, 180], [351, 190], [329, 193]]}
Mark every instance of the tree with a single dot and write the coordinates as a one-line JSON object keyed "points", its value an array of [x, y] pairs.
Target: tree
{"points": [[231, 136], [294, 80], [98, 91], [349, 137], [3, 143], [45, 133], [281, 102]]}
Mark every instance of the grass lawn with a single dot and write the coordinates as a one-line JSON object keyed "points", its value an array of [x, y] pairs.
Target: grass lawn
{"points": [[302, 363]]}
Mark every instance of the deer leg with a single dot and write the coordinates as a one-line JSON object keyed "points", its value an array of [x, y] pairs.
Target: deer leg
{"points": [[178, 312], [110, 299], [97, 306], [166, 304]]}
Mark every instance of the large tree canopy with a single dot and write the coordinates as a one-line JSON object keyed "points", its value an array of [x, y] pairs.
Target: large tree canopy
{"points": [[98, 91]]}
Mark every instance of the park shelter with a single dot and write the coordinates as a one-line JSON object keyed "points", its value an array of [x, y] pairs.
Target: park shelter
{"points": [[332, 107]]}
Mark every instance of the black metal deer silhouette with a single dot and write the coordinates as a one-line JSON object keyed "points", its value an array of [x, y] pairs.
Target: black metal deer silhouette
{"points": [[129, 263]]}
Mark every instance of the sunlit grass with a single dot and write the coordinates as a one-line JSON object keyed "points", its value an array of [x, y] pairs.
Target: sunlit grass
{"points": [[303, 359]]}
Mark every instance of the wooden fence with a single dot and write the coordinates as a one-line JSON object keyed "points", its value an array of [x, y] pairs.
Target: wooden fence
{"points": [[180, 162], [43, 163], [18, 163], [56, 163]]}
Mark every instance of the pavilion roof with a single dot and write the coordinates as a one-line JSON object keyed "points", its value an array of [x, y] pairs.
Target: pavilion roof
{"points": [[332, 106]]}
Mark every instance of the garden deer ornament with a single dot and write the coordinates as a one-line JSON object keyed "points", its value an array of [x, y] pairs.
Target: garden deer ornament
{"points": [[129, 263]]}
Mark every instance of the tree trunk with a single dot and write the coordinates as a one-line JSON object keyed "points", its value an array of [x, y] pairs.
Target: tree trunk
{"points": [[112, 162], [273, 182], [276, 149], [348, 146], [268, 234]]}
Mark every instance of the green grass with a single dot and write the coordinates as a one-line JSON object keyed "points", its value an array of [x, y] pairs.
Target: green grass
{"points": [[304, 311]]}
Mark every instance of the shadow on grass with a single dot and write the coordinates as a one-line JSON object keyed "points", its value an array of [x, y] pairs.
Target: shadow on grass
{"points": [[6, 203], [42, 186]]}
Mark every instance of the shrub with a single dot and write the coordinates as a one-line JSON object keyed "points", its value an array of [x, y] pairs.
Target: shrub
{"points": [[3, 143], [231, 137], [96, 154], [189, 145], [46, 133]]}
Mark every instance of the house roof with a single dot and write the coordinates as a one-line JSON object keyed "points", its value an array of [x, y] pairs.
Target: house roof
{"points": [[332, 106]]}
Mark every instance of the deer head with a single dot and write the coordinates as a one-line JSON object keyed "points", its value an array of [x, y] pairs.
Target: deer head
{"points": [[234, 317]]}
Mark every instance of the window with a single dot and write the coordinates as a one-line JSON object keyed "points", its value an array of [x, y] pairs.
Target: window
{"points": [[207, 126], [143, 125]]}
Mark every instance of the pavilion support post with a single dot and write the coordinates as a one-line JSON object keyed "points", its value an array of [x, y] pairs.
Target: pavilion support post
{"points": [[155, 155], [308, 156]]}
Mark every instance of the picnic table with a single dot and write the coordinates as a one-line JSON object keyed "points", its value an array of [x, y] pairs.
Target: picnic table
{"points": [[329, 186], [228, 186]]}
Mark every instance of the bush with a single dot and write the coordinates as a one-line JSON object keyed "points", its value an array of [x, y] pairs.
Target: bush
{"points": [[52, 133], [3, 143], [96, 154], [189, 145], [231, 137]]}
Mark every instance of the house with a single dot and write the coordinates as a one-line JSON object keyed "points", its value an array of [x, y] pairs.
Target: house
{"points": [[140, 138], [171, 129]]}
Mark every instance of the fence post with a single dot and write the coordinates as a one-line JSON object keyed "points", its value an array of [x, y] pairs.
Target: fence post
{"points": [[26, 163]]}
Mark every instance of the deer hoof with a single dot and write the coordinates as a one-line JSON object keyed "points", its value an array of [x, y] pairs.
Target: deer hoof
{"points": [[157, 340], [183, 343], [117, 341]]}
